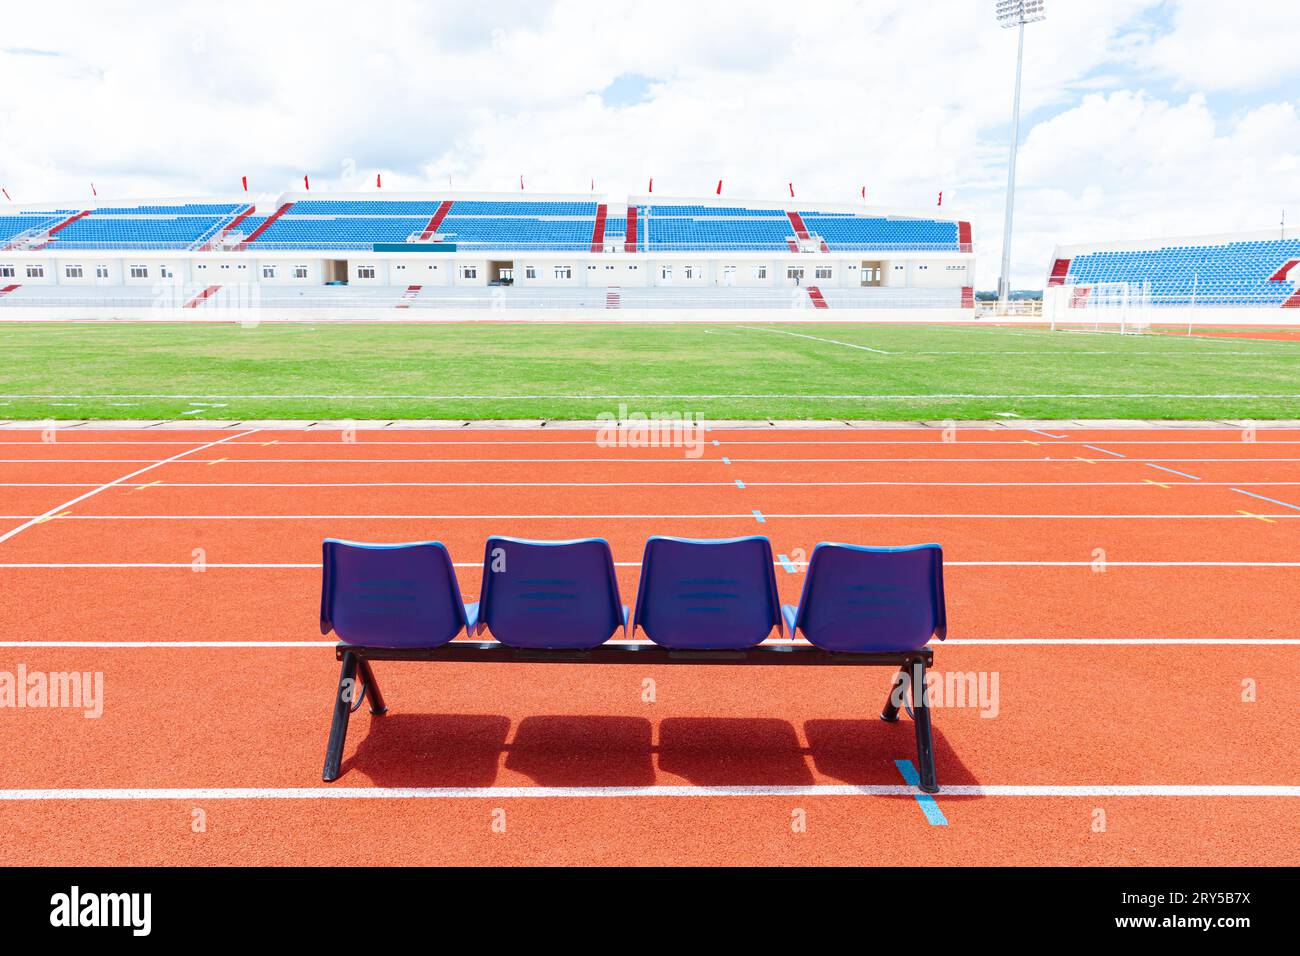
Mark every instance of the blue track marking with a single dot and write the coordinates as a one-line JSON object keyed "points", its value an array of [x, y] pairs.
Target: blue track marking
{"points": [[739, 483], [726, 460], [787, 563], [716, 442], [929, 806], [1269, 500], [758, 515], [1181, 474], [1047, 434], [1105, 452]]}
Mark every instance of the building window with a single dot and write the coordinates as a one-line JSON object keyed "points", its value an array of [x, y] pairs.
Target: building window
{"points": [[666, 272], [609, 268], [166, 271], [530, 272], [823, 272], [365, 272], [300, 272], [564, 272], [591, 268], [139, 272], [689, 272], [36, 272], [760, 272], [794, 272], [6, 272], [73, 272], [469, 272], [101, 272], [268, 272]]}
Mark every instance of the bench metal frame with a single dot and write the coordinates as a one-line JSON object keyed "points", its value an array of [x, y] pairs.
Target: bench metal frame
{"points": [[356, 661]]}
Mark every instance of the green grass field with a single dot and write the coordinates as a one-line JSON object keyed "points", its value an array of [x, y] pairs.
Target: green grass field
{"points": [[482, 371]]}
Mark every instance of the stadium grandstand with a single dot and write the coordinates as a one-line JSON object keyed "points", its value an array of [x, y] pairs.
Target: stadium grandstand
{"points": [[477, 251], [1233, 277]]}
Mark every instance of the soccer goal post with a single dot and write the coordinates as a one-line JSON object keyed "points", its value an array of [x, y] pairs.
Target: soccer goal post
{"points": [[1123, 307]]}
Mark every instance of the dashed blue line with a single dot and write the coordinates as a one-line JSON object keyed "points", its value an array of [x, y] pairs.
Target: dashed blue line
{"points": [[787, 563], [726, 460], [1047, 434], [1181, 474], [929, 806], [716, 442], [1270, 500], [739, 483], [1105, 452], [758, 515]]}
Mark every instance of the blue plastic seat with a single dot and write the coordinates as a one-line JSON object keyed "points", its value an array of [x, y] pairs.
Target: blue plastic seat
{"points": [[550, 594], [859, 600], [392, 595], [707, 594]]}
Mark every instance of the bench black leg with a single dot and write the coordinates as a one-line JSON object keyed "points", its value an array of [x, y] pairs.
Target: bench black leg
{"points": [[377, 705], [897, 689], [342, 710], [924, 736]]}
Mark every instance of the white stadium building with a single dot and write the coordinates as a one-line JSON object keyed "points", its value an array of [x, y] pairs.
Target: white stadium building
{"points": [[454, 255]]}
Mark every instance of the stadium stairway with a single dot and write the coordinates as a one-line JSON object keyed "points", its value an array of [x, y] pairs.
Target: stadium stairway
{"points": [[629, 244], [598, 231], [968, 297], [1060, 269], [265, 226], [613, 297], [5, 290], [818, 300], [964, 241], [227, 228], [436, 220], [1293, 302], [411, 292], [203, 296], [1280, 275], [66, 222], [796, 222]]}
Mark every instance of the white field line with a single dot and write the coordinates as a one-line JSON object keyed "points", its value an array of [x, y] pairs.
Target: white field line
{"points": [[668, 395], [746, 515], [675, 791], [814, 338], [117, 481]]}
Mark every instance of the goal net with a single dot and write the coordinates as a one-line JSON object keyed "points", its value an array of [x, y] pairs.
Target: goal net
{"points": [[1122, 307]]}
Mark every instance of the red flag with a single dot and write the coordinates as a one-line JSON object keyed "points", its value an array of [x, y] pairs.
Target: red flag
{"points": [[93, 191], [792, 190], [7, 196], [379, 181], [719, 187], [940, 197], [244, 180], [521, 182], [306, 182], [864, 192], [652, 184]]}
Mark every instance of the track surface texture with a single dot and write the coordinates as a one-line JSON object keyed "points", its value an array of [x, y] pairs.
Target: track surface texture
{"points": [[1124, 598]]}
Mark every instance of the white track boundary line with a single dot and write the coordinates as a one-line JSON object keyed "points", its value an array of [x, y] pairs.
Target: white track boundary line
{"points": [[729, 441], [117, 481], [617, 461], [617, 396], [676, 791]]}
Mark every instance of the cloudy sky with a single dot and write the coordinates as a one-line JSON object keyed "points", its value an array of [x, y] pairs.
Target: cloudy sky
{"points": [[1140, 118]]}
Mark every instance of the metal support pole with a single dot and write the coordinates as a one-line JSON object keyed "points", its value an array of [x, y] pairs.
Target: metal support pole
{"points": [[1004, 283]]}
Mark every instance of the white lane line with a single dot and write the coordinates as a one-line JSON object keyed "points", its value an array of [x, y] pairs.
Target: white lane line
{"points": [[814, 338], [729, 441], [117, 481], [1236, 516], [682, 791], [189, 565], [611, 460], [951, 642], [1143, 485]]}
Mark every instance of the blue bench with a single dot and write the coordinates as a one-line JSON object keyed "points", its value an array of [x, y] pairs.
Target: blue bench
{"points": [[698, 602]]}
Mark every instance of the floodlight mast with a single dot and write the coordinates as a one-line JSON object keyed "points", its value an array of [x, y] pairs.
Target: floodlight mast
{"points": [[1014, 13]]}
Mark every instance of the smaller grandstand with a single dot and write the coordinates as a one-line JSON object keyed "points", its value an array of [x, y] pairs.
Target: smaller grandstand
{"points": [[1242, 277]]}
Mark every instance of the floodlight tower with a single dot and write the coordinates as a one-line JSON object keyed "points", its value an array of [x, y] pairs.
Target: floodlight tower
{"points": [[1014, 13]]}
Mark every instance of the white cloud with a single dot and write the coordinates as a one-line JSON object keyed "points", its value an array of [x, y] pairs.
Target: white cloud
{"points": [[905, 98]]}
